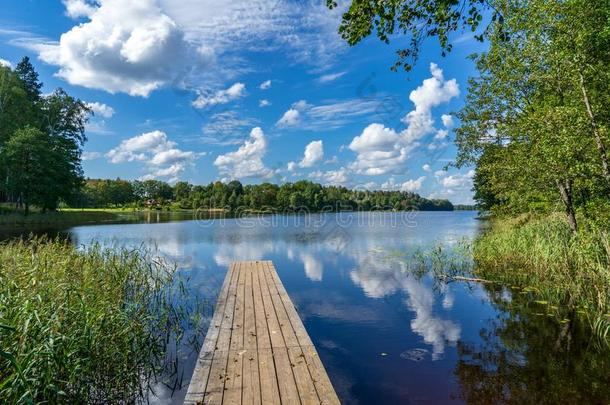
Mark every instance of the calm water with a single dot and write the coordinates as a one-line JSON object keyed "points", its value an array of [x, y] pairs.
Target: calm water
{"points": [[384, 335]]}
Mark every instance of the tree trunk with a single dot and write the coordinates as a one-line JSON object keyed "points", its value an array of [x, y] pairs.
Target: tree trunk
{"points": [[565, 190], [598, 138]]}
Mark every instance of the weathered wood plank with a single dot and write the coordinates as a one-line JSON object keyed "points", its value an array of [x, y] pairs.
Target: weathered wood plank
{"points": [[324, 388], [267, 374], [202, 369], [250, 368], [233, 382], [218, 370], [257, 350]]}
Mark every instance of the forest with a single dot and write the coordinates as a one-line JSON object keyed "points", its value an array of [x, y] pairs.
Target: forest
{"points": [[302, 196]]}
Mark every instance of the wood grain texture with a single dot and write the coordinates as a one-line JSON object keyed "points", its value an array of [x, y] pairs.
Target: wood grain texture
{"points": [[257, 350]]}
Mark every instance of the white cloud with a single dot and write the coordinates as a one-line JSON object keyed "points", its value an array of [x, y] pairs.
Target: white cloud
{"points": [[433, 92], [441, 134], [457, 180], [447, 120], [314, 153], [413, 185], [265, 85], [381, 150], [246, 162], [290, 118], [426, 168], [302, 31], [5, 63], [456, 187], [226, 128], [337, 177], [264, 103], [101, 109], [234, 92], [126, 46], [171, 156], [79, 8], [330, 77], [156, 150], [91, 156], [333, 160], [409, 185]]}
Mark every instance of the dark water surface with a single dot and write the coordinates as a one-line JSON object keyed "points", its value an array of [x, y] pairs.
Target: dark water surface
{"points": [[384, 335]]}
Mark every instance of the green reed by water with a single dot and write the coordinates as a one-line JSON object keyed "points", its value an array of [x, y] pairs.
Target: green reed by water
{"points": [[83, 326], [557, 268]]}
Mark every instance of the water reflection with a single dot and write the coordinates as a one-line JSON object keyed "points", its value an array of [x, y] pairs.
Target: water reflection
{"points": [[385, 335], [379, 278]]}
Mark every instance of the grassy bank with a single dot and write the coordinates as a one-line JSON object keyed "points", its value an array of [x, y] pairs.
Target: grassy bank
{"points": [[543, 258], [82, 326]]}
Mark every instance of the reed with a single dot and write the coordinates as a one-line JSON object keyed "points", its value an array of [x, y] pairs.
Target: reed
{"points": [[554, 265], [83, 326]]}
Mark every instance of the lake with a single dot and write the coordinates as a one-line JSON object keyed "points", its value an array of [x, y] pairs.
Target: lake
{"points": [[384, 334]]}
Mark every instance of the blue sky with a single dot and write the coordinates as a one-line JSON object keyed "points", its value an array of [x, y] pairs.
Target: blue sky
{"points": [[260, 90]]}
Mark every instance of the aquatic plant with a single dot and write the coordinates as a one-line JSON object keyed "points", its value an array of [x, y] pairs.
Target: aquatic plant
{"points": [[85, 326]]}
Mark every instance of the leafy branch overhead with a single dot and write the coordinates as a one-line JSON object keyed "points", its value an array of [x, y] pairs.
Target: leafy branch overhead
{"points": [[418, 20]]}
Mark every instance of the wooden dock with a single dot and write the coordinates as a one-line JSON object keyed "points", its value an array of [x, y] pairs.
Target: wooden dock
{"points": [[257, 350]]}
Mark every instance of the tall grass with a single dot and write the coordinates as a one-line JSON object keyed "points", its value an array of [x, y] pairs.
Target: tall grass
{"points": [[555, 265], [88, 326]]}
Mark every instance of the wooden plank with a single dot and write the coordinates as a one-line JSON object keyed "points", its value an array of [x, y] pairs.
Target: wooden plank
{"points": [[218, 370], [233, 382], [304, 382], [266, 364], [202, 369], [289, 393], [250, 368], [323, 386], [257, 350]]}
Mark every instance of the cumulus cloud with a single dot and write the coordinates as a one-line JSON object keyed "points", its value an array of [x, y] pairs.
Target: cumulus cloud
{"points": [[126, 46], [290, 118], [337, 177], [426, 168], [247, 161], [79, 8], [447, 120], [101, 109], [161, 155], [264, 103], [225, 96], [381, 150], [457, 186], [412, 185], [265, 85], [5, 63], [314, 153]]}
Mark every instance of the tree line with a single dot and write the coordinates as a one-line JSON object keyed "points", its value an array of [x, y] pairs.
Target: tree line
{"points": [[41, 140], [233, 196], [536, 122]]}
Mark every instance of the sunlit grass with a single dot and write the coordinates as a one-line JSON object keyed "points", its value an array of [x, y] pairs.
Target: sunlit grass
{"points": [[558, 267]]}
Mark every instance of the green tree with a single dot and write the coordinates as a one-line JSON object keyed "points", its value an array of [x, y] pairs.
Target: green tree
{"points": [[28, 160], [418, 20]]}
